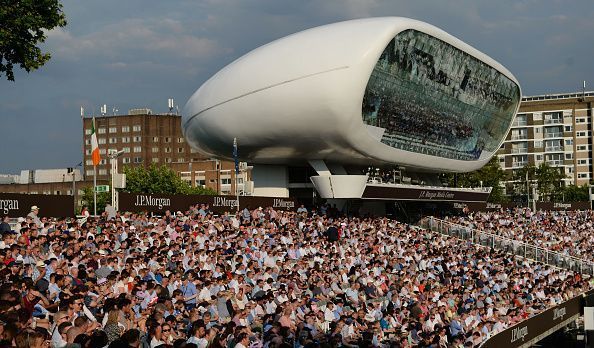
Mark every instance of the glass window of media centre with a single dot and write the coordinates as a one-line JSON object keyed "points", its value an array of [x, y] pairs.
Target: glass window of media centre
{"points": [[426, 96]]}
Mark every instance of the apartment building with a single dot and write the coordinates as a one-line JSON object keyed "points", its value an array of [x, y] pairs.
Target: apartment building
{"points": [[556, 129], [147, 138]]}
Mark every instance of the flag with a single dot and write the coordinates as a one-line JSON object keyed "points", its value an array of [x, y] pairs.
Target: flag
{"points": [[235, 156], [95, 156]]}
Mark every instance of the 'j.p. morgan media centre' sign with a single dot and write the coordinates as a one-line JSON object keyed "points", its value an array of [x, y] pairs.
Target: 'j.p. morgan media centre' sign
{"points": [[219, 204]]}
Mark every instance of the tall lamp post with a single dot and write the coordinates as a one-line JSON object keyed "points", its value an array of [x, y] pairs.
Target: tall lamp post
{"points": [[113, 160]]}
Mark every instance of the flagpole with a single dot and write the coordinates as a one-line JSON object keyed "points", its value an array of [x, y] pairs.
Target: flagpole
{"points": [[95, 191], [236, 159]]}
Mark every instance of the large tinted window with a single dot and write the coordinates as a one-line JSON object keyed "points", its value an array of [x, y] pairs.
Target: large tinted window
{"points": [[429, 97]]}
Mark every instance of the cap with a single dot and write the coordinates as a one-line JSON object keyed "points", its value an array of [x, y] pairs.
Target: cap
{"points": [[34, 208], [102, 252], [40, 264], [101, 281]]}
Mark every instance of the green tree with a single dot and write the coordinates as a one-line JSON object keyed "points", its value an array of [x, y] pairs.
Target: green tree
{"points": [[102, 199], [23, 25], [490, 175], [573, 193], [548, 180], [159, 179]]}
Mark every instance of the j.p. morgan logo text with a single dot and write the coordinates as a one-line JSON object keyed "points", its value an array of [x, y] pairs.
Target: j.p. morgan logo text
{"points": [[559, 313], [519, 333], [150, 201], [8, 204], [224, 202], [281, 203]]}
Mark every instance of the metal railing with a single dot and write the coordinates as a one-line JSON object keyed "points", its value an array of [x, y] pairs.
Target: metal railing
{"points": [[553, 121], [553, 135], [510, 246]]}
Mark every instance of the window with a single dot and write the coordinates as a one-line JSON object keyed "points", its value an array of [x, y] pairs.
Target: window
{"points": [[181, 160], [126, 149], [537, 116], [155, 139], [553, 117], [539, 157], [101, 130], [88, 152], [88, 131], [102, 151], [125, 139], [583, 175], [168, 160], [568, 156], [125, 129], [155, 160], [538, 143], [582, 134], [136, 128], [180, 140], [568, 128], [167, 150], [155, 150], [554, 159], [537, 130], [200, 178], [180, 150], [126, 160], [103, 161], [568, 142], [102, 172], [137, 139], [518, 134], [167, 139], [580, 120], [225, 181], [137, 149], [113, 129], [582, 147], [520, 120], [137, 159], [113, 140], [186, 177], [87, 141], [89, 162], [583, 161], [101, 140]]}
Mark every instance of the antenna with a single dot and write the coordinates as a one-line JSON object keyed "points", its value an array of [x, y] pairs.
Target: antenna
{"points": [[114, 110], [82, 112], [104, 109], [170, 104], [584, 90]]}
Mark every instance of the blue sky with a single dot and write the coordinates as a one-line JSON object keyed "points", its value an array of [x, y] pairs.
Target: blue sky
{"points": [[138, 53]]}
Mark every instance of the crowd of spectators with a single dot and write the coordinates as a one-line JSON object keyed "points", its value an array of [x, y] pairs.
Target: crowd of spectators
{"points": [[567, 232], [260, 278]]}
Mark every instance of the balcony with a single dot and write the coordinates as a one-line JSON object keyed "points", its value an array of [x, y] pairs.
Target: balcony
{"points": [[555, 163], [553, 135], [519, 164], [517, 123], [553, 121], [519, 137], [553, 148], [519, 150]]}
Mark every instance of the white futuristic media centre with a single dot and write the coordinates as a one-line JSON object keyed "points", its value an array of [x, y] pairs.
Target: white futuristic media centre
{"points": [[379, 91]]}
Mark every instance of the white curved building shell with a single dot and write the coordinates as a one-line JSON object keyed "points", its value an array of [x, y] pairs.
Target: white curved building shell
{"points": [[300, 98]]}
